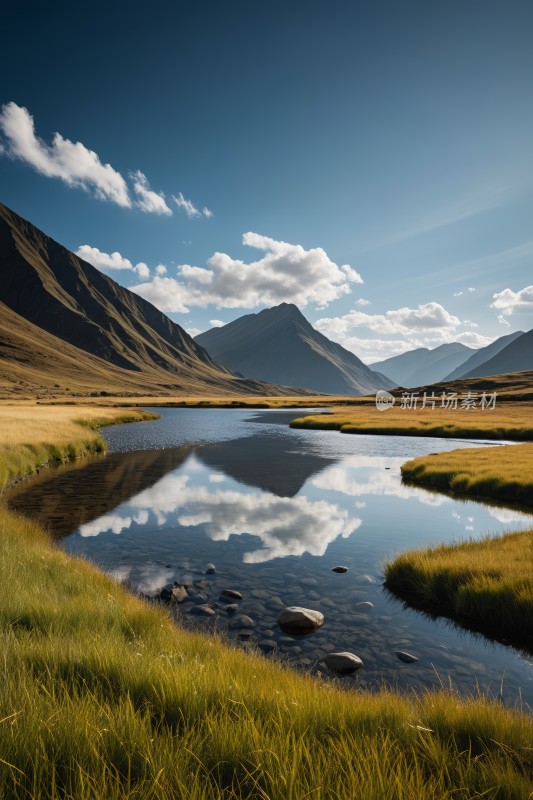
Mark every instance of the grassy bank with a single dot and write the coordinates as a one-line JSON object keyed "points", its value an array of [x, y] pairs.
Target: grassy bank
{"points": [[488, 583], [33, 436], [508, 421], [103, 697], [504, 473]]}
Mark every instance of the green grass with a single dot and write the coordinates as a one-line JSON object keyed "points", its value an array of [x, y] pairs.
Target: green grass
{"points": [[488, 583], [504, 473], [104, 698]]}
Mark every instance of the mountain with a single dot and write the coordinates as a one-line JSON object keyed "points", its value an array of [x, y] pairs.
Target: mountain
{"points": [[67, 328], [280, 345], [483, 354], [422, 365], [515, 357]]}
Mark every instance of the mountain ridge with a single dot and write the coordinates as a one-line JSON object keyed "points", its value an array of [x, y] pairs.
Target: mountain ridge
{"points": [[279, 343]]}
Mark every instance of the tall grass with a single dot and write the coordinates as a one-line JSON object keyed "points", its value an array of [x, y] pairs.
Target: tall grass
{"points": [[501, 473], [488, 582], [33, 436], [506, 421], [103, 698]]}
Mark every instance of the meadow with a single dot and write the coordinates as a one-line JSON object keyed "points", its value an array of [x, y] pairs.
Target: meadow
{"points": [[104, 697], [500, 473], [488, 583], [509, 420]]}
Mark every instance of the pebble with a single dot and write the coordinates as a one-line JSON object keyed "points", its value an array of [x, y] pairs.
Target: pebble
{"points": [[340, 569], [233, 593], [210, 569], [407, 657], [300, 620], [343, 663], [242, 621], [232, 609], [202, 610], [364, 604]]}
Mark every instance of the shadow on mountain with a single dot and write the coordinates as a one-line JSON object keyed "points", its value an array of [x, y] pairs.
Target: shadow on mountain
{"points": [[274, 464], [63, 498]]}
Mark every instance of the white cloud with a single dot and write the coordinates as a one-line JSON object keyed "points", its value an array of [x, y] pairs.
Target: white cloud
{"points": [[362, 302], [469, 324], [471, 289], [396, 331], [501, 319], [115, 260], [149, 201], [285, 273], [109, 522], [193, 331], [160, 269], [216, 323], [188, 206], [458, 294], [71, 162], [207, 212], [509, 302]]}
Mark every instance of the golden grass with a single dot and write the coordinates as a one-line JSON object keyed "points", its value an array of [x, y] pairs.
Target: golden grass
{"points": [[508, 420], [504, 473], [32, 436], [488, 582], [103, 698]]}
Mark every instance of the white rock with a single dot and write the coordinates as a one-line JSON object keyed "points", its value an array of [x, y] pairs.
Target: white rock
{"points": [[342, 662], [300, 620]]}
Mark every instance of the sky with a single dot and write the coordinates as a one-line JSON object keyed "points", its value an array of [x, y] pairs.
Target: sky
{"points": [[370, 162]]}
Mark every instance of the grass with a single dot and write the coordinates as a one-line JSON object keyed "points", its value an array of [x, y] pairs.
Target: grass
{"points": [[104, 697], [504, 473], [509, 420], [31, 437], [488, 583]]}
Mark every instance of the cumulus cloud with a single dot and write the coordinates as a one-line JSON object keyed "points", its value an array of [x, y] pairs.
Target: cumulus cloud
{"points": [[148, 200], [160, 269], [471, 289], [216, 323], [190, 209], [458, 294], [501, 319], [396, 331], [362, 302], [71, 162], [509, 302], [285, 273], [74, 163], [285, 526], [115, 260]]}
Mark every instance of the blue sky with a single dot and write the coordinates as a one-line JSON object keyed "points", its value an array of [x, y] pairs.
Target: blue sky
{"points": [[270, 151]]}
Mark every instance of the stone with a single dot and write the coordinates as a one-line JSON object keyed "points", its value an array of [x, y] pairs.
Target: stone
{"points": [[202, 610], [267, 645], [242, 621], [365, 604], [231, 593], [179, 593], [232, 609], [343, 663], [200, 584], [210, 569], [295, 619], [340, 569], [198, 598], [406, 657]]}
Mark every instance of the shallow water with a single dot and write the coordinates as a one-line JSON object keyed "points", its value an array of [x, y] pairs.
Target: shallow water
{"points": [[275, 509]]}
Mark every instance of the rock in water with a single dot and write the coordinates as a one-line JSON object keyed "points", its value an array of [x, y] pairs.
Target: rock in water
{"points": [[340, 569], [233, 593], [295, 619], [202, 610], [343, 663], [210, 569], [242, 621], [407, 657]]}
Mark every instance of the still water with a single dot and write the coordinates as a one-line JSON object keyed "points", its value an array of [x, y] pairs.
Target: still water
{"points": [[274, 509]]}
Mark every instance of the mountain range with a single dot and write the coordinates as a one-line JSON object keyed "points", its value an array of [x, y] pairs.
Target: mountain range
{"points": [[279, 345], [480, 359], [422, 365], [66, 327]]}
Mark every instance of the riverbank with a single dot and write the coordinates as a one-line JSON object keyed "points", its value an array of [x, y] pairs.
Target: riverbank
{"points": [[502, 473], [487, 583], [104, 697], [510, 420]]}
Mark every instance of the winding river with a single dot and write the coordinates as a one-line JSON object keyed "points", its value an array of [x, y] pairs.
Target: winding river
{"points": [[274, 509]]}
